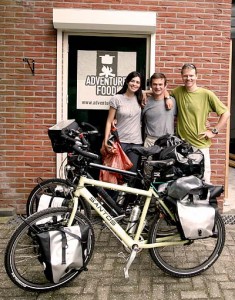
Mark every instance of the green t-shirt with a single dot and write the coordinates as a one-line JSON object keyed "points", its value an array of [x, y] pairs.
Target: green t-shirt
{"points": [[193, 110]]}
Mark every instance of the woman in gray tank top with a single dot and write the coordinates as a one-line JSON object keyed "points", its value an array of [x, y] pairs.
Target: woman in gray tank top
{"points": [[125, 107]]}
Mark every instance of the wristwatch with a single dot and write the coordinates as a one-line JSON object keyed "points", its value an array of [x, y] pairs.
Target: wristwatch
{"points": [[166, 98], [215, 131]]}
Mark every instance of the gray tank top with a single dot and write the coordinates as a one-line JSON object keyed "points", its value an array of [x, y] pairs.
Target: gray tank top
{"points": [[128, 115]]}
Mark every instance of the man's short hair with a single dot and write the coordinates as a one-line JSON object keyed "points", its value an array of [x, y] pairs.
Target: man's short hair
{"points": [[188, 66], [158, 76]]}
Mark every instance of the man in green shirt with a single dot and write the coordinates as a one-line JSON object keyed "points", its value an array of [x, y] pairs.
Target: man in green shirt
{"points": [[194, 105]]}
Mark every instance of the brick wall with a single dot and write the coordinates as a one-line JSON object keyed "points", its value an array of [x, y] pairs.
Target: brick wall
{"points": [[187, 31]]}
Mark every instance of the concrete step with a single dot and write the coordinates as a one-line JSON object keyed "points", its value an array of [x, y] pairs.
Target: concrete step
{"points": [[6, 213]]}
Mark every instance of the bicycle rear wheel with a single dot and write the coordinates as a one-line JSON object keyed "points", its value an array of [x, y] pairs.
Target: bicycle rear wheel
{"points": [[54, 187], [189, 259], [21, 257]]}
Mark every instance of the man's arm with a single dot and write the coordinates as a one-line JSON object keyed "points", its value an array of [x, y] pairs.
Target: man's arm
{"points": [[222, 120], [208, 134], [168, 101], [167, 98]]}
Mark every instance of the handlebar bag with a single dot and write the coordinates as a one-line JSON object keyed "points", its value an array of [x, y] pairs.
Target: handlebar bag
{"points": [[197, 220], [62, 250], [59, 144]]}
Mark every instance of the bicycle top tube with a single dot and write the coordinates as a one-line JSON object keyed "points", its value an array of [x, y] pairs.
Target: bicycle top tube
{"points": [[84, 180], [102, 167]]}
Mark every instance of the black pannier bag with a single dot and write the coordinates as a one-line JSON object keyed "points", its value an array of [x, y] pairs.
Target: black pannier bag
{"points": [[188, 160], [183, 186], [63, 249]]}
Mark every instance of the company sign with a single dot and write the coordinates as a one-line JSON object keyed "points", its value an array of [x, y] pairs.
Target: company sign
{"points": [[100, 75]]}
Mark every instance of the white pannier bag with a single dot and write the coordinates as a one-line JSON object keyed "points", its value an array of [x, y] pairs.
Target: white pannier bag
{"points": [[62, 250], [197, 220], [47, 201]]}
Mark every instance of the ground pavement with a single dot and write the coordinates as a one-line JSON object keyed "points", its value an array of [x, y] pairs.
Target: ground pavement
{"points": [[105, 280]]}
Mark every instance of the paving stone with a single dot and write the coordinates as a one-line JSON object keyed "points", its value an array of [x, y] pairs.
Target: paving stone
{"points": [[214, 290], [194, 295]]}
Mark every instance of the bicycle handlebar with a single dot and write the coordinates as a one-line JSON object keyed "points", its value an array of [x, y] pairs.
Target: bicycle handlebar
{"points": [[83, 143], [66, 136], [79, 133], [93, 131], [87, 154]]}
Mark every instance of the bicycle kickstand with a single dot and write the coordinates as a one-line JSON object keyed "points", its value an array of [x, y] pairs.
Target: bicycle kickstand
{"points": [[134, 251]]}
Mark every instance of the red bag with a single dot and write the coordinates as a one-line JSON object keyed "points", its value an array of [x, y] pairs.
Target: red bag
{"points": [[117, 159]]}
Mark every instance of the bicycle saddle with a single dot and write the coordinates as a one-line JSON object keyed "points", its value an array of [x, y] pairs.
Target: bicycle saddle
{"points": [[140, 150]]}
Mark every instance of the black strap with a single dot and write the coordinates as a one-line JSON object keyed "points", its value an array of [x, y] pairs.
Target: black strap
{"points": [[70, 233], [64, 246], [50, 203], [83, 242]]}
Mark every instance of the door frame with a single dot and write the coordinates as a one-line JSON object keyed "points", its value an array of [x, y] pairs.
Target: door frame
{"points": [[62, 64]]}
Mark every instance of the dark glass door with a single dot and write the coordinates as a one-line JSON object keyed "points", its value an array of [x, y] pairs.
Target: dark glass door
{"points": [[98, 117]]}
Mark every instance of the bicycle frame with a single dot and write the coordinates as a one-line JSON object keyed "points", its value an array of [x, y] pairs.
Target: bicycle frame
{"points": [[136, 243], [110, 221]]}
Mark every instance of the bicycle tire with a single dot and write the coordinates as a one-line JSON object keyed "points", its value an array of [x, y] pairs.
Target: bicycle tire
{"points": [[21, 256], [48, 187], [186, 260]]}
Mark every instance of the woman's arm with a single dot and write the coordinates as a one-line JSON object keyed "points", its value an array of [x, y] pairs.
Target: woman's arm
{"points": [[110, 119]]}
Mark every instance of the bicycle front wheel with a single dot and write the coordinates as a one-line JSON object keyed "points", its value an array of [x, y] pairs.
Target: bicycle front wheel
{"points": [[189, 259], [54, 187], [22, 253]]}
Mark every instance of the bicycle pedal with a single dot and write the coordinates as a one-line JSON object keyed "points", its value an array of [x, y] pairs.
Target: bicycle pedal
{"points": [[103, 226], [118, 218]]}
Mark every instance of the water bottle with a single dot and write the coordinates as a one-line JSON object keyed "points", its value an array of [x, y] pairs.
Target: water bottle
{"points": [[133, 221], [121, 196]]}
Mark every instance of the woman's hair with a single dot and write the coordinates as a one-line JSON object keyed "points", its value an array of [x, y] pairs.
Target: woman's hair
{"points": [[139, 94]]}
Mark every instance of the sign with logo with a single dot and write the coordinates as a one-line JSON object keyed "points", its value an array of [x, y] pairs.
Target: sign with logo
{"points": [[100, 75]]}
